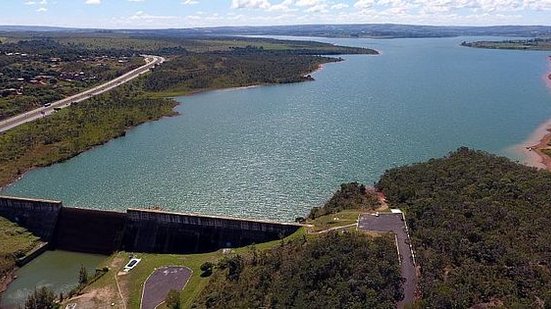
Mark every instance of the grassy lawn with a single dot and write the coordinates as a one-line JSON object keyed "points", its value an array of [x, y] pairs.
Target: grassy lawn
{"points": [[342, 218], [15, 241], [132, 283]]}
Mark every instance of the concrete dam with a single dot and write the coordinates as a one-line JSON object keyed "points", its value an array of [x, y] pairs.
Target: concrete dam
{"points": [[136, 230]]}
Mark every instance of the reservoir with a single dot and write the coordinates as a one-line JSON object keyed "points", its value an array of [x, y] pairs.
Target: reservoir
{"points": [[273, 152], [57, 270]]}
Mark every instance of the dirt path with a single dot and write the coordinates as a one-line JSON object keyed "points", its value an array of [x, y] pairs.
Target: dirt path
{"points": [[336, 228], [107, 296]]}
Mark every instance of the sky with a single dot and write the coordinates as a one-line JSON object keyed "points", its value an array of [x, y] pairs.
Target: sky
{"points": [[116, 14]]}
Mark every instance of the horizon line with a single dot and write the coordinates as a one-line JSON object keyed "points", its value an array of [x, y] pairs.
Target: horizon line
{"points": [[280, 25]]}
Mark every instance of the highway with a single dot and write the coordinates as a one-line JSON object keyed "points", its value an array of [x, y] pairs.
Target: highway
{"points": [[10, 123]]}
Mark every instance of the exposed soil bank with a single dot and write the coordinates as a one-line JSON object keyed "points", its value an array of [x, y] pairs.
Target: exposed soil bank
{"points": [[539, 140]]}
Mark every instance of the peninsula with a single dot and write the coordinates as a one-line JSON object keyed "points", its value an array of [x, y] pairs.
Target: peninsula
{"points": [[193, 65]]}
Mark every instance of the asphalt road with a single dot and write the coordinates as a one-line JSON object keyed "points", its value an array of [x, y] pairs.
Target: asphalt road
{"points": [[40, 112], [394, 223], [161, 282]]}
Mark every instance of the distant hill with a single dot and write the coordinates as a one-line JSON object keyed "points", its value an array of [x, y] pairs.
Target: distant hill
{"points": [[350, 30]]}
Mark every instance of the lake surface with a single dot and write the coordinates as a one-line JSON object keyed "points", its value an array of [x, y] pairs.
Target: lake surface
{"points": [[57, 270], [274, 152]]}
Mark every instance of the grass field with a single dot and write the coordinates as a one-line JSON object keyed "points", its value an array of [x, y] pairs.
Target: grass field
{"points": [[201, 45], [342, 218], [15, 241], [104, 290]]}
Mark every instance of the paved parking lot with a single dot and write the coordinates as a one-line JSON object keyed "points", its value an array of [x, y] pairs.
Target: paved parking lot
{"points": [[394, 223], [161, 282]]}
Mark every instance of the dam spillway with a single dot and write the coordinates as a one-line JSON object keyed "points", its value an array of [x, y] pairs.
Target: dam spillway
{"points": [[136, 230]]}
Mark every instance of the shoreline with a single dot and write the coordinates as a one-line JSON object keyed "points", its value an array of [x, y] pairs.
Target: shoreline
{"points": [[176, 94], [92, 147], [172, 97], [540, 139]]}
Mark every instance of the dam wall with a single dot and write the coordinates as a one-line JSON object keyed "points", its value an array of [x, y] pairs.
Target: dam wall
{"points": [[89, 230], [165, 232], [36, 215], [99, 231]]}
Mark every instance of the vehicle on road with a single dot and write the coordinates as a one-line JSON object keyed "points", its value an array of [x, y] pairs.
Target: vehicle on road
{"points": [[47, 104]]}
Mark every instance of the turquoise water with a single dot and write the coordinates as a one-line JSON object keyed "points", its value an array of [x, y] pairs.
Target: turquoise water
{"points": [[274, 152], [57, 270]]}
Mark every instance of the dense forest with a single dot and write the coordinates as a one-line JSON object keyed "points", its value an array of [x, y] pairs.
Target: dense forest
{"points": [[336, 270], [232, 69], [48, 48], [481, 228]]}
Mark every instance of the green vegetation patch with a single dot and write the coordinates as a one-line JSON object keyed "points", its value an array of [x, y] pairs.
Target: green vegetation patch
{"points": [[168, 44], [350, 196], [334, 220], [336, 270], [528, 44], [15, 242], [481, 228], [197, 72], [37, 71]]}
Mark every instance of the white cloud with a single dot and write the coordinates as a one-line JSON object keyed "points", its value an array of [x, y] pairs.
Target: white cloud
{"points": [[364, 4], [339, 6], [141, 15], [284, 6], [308, 2], [94, 2], [42, 5], [136, 0], [319, 8], [189, 2], [250, 4]]}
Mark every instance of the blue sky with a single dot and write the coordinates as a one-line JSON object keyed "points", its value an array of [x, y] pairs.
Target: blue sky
{"points": [[204, 13]]}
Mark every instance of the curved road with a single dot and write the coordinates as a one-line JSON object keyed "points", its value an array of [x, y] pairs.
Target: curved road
{"points": [[395, 223], [151, 61]]}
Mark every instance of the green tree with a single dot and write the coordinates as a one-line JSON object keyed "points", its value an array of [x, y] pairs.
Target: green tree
{"points": [[206, 269], [172, 300], [82, 275], [42, 298]]}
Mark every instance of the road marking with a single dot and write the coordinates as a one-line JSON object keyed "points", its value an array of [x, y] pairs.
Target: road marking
{"points": [[41, 112]]}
